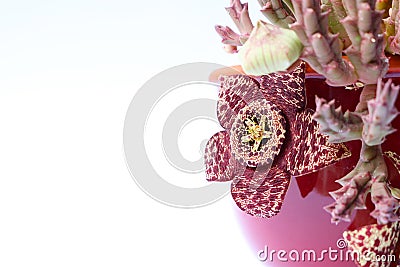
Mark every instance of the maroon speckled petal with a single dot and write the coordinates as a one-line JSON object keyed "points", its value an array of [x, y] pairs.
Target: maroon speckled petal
{"points": [[236, 91], [375, 240], [220, 166], [286, 90], [310, 150], [260, 193]]}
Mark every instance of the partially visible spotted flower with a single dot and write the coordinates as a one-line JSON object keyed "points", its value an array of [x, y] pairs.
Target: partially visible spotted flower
{"points": [[374, 242], [269, 136]]}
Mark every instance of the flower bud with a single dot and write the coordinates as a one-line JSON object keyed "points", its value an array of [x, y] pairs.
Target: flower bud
{"points": [[269, 49]]}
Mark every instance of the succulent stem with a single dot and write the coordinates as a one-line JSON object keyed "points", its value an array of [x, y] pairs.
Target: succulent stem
{"points": [[240, 15], [363, 25], [322, 50], [392, 27], [337, 12], [372, 117], [381, 112], [338, 126], [278, 12]]}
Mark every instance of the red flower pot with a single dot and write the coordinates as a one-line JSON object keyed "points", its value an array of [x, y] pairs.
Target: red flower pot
{"points": [[303, 225]]}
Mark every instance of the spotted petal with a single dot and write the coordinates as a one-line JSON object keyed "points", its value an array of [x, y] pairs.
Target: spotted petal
{"points": [[235, 93], [260, 193], [287, 90], [376, 242], [309, 149], [220, 166]]}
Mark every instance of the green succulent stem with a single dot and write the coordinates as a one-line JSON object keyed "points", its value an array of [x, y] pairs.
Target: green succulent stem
{"points": [[337, 12], [289, 5]]}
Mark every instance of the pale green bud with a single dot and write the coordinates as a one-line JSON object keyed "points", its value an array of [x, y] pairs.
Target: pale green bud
{"points": [[269, 49]]}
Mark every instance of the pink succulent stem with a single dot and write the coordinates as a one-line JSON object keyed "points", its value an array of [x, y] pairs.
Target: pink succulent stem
{"points": [[366, 53], [338, 126], [386, 205], [322, 49], [381, 112], [240, 15], [370, 124], [350, 197], [229, 37], [276, 13]]}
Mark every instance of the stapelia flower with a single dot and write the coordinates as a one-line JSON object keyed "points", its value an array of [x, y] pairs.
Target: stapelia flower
{"points": [[269, 136], [374, 242]]}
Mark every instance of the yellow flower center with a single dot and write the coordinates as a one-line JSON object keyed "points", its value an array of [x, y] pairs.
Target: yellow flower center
{"points": [[256, 132]]}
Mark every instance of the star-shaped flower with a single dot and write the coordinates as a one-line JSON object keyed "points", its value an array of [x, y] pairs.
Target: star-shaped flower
{"points": [[269, 136]]}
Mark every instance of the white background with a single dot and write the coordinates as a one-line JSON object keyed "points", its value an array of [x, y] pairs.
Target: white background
{"points": [[68, 71]]}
